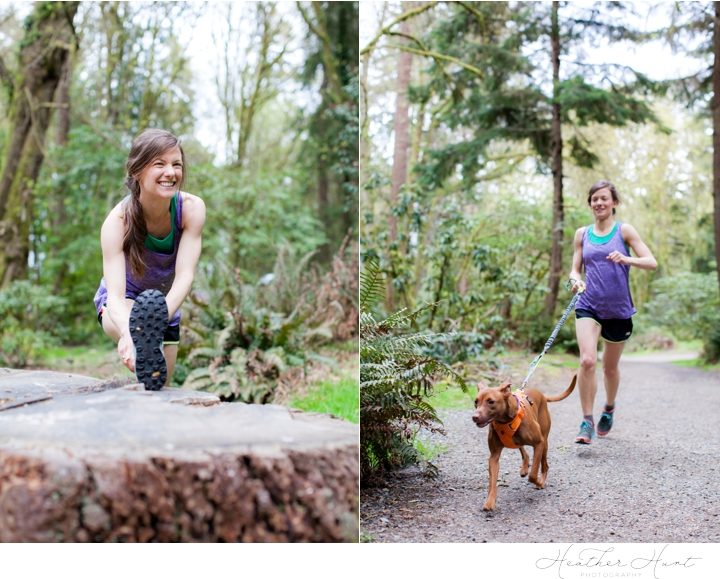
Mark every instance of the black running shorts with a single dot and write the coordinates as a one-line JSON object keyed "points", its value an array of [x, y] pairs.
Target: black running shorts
{"points": [[615, 330]]}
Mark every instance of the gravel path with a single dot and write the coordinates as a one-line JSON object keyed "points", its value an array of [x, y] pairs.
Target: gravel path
{"points": [[654, 478]]}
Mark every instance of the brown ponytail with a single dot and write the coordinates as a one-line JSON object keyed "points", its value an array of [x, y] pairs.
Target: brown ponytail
{"points": [[146, 147], [135, 229]]}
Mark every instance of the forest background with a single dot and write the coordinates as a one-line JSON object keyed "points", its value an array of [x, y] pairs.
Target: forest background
{"points": [[264, 97], [483, 125]]}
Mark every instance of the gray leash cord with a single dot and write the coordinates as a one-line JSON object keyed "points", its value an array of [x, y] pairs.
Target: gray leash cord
{"points": [[551, 339]]}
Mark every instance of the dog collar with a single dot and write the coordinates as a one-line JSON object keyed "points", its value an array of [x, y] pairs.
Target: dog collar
{"points": [[506, 430]]}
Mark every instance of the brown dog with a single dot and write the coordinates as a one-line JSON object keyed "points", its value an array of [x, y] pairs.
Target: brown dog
{"points": [[517, 418]]}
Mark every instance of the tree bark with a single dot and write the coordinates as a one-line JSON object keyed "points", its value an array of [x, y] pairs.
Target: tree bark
{"points": [[716, 133], [62, 135], [62, 99], [318, 26], [364, 116], [558, 217], [402, 143], [401, 130], [323, 200], [46, 48]]}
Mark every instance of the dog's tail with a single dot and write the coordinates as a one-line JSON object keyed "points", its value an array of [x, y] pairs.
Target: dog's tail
{"points": [[565, 394]]}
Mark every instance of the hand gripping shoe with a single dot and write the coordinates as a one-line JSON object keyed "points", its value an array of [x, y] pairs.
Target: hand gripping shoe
{"points": [[148, 322]]}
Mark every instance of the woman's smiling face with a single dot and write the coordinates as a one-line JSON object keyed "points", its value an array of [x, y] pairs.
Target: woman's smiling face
{"points": [[602, 203], [163, 175]]}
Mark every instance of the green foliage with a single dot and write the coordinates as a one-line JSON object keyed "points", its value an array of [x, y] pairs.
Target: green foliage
{"points": [[247, 221], [41, 14], [457, 346], [427, 450], [133, 71], [243, 374], [339, 398], [238, 350], [250, 352], [583, 103], [78, 186], [331, 299], [507, 93], [29, 323], [330, 153], [395, 379], [371, 285], [688, 305], [240, 339], [711, 351], [327, 301], [482, 261]]}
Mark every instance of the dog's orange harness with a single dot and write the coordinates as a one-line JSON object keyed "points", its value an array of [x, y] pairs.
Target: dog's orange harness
{"points": [[506, 430]]}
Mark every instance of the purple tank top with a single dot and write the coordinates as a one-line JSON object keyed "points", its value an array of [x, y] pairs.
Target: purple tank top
{"points": [[159, 270], [607, 290]]}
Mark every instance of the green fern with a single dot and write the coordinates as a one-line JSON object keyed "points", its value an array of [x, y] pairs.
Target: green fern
{"points": [[395, 379], [372, 285]]}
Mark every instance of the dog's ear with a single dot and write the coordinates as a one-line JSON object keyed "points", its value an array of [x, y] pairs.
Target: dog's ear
{"points": [[481, 386], [505, 389]]}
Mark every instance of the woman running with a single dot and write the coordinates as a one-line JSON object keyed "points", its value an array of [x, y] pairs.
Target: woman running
{"points": [[151, 244], [605, 307]]}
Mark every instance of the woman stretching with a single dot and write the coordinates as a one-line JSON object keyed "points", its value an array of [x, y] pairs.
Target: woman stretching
{"points": [[151, 244], [605, 307]]}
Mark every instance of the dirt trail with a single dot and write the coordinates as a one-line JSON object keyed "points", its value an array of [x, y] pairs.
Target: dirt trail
{"points": [[654, 478]]}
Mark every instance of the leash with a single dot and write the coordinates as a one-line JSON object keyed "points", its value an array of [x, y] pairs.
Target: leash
{"points": [[551, 339]]}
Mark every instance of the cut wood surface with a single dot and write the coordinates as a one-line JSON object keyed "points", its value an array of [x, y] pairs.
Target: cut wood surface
{"points": [[85, 460]]}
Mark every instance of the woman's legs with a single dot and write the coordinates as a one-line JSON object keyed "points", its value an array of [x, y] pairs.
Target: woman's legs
{"points": [[611, 370], [588, 334], [109, 326], [170, 352]]}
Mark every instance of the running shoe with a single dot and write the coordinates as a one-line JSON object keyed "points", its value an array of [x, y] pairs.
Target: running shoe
{"points": [[148, 321], [586, 434], [605, 424]]}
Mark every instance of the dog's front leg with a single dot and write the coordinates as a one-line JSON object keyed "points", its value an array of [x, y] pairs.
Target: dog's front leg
{"points": [[525, 466], [493, 471], [538, 453]]}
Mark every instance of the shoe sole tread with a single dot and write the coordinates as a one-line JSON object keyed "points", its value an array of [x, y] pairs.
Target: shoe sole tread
{"points": [[148, 322]]}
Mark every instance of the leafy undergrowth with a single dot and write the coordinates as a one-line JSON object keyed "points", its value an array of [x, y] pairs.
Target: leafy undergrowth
{"points": [[330, 386]]}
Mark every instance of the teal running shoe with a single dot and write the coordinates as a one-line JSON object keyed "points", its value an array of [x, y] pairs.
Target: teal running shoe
{"points": [[586, 434], [605, 424]]}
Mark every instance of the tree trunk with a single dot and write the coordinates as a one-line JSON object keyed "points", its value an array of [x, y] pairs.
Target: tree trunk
{"points": [[402, 143], [252, 101], [716, 133], [401, 129], [557, 171], [364, 117], [323, 199], [46, 48], [62, 134], [62, 99]]}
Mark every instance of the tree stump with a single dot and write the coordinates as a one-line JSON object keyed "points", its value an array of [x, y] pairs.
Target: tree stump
{"points": [[87, 461]]}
